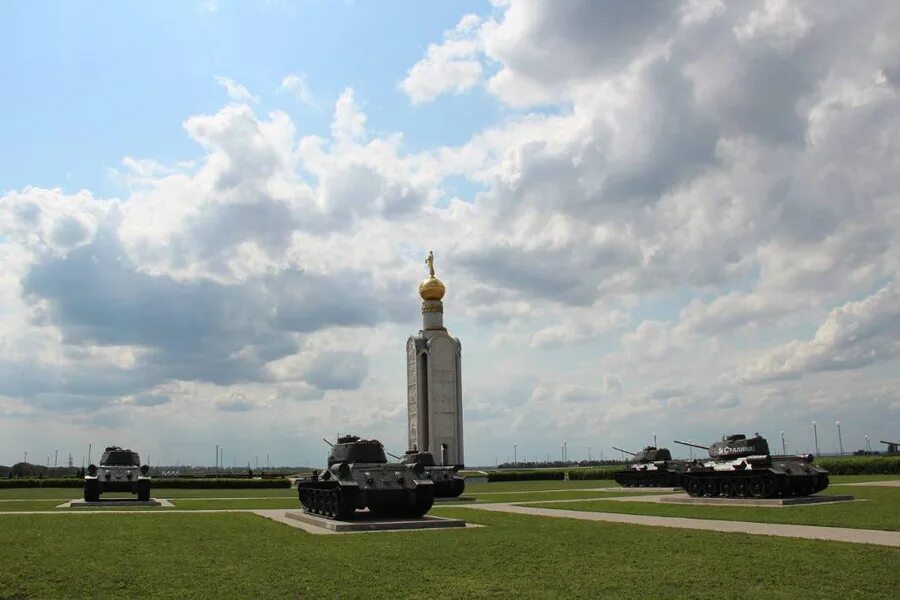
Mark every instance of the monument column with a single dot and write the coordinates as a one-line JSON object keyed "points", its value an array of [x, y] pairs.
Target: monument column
{"points": [[434, 385]]}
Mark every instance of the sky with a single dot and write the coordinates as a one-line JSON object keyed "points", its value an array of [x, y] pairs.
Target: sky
{"points": [[675, 218]]}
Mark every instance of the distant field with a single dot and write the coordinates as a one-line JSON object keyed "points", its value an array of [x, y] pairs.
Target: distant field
{"points": [[239, 555], [879, 510]]}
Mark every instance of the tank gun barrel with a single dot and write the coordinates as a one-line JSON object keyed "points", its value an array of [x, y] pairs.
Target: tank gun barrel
{"points": [[392, 455], [625, 451], [327, 442], [691, 445], [890, 443]]}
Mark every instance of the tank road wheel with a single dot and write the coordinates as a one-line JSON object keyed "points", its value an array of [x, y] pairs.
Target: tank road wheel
{"points": [[334, 504], [711, 488], [695, 487], [740, 488], [757, 488], [726, 488], [91, 490]]}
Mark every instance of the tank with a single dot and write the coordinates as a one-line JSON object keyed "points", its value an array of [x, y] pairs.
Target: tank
{"points": [[447, 482], [120, 470], [652, 467], [891, 447], [358, 476], [740, 467]]}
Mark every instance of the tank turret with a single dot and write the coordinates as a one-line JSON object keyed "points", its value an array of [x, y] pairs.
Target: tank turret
{"points": [[739, 466], [359, 476]]}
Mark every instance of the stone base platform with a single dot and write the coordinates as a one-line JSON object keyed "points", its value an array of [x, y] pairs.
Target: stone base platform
{"points": [[116, 502], [456, 500], [366, 522], [793, 501]]}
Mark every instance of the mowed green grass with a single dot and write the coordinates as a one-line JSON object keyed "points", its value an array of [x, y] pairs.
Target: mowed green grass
{"points": [[877, 508], [238, 555], [63, 494]]}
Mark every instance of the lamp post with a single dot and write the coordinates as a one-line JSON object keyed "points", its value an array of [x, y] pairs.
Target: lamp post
{"points": [[691, 448], [89, 451], [515, 454], [816, 437], [783, 446], [55, 457], [25, 460], [654, 440], [840, 441], [868, 447], [589, 454]]}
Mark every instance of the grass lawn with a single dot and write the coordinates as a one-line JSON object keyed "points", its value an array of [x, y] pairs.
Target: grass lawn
{"points": [[62, 494], [245, 556], [881, 510]]}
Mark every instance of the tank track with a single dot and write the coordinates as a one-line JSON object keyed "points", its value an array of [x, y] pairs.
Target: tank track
{"points": [[449, 489], [647, 479], [749, 484], [332, 502], [341, 502]]}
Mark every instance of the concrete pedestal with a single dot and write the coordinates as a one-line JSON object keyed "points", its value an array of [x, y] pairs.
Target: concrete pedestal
{"points": [[794, 501], [366, 522], [116, 502]]}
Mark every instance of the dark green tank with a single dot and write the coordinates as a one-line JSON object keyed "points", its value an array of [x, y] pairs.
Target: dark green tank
{"points": [[652, 467], [447, 482], [120, 470], [740, 467], [358, 476]]}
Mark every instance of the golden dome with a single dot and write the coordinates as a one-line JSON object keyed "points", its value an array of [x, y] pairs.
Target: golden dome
{"points": [[432, 289]]}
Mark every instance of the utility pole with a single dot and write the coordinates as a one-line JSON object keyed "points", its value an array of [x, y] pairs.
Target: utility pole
{"points": [[89, 451], [783, 446], [515, 454], [840, 441], [816, 437], [654, 440], [589, 454], [217, 457], [55, 457], [26, 458]]}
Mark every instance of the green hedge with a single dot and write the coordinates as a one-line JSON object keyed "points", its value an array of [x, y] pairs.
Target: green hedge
{"points": [[594, 473], [158, 482], [861, 465], [540, 475]]}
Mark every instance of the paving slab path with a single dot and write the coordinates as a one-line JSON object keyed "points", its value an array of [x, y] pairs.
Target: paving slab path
{"points": [[890, 483], [836, 534]]}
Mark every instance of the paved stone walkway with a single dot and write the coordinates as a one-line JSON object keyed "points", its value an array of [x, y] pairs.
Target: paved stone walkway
{"points": [[836, 534], [891, 483]]}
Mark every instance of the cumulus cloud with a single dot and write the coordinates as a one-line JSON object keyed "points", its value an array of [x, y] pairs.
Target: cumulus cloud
{"points": [[854, 335], [235, 90], [298, 86], [453, 65], [718, 178]]}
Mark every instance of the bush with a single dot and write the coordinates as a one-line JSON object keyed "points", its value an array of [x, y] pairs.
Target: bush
{"points": [[158, 482], [541, 475], [861, 465], [590, 474]]}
